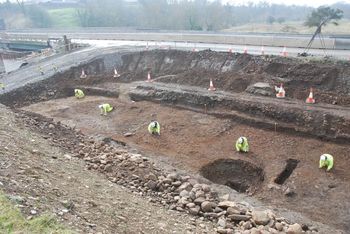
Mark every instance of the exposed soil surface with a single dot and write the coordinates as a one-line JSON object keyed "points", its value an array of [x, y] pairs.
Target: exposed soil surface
{"points": [[39, 172], [191, 141], [284, 166]]}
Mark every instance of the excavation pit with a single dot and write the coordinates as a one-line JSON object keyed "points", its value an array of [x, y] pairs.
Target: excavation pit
{"points": [[239, 175], [205, 125], [288, 170]]}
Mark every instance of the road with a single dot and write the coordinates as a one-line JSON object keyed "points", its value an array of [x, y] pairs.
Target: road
{"points": [[228, 39], [256, 50]]}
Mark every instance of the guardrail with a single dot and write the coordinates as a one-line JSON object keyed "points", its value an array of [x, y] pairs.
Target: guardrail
{"points": [[234, 39]]}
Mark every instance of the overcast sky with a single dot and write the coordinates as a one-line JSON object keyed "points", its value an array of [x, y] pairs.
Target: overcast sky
{"points": [[313, 3]]}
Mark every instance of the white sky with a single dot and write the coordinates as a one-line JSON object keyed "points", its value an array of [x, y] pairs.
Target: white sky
{"points": [[312, 3]]}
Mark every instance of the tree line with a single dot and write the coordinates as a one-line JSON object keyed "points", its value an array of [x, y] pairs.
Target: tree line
{"points": [[160, 14]]}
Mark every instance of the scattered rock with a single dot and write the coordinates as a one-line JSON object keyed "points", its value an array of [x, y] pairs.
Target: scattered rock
{"points": [[255, 231], [108, 168], [194, 210], [222, 231], [294, 229], [176, 183], [273, 186], [152, 177], [238, 217], [67, 204], [128, 134], [279, 226], [289, 193], [173, 176], [33, 212], [190, 205], [221, 223], [218, 210], [151, 184], [67, 156], [247, 225], [206, 188], [207, 206], [184, 193], [199, 200], [226, 204], [260, 217], [185, 186], [15, 198]]}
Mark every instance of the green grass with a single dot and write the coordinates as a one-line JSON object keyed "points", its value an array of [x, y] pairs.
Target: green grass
{"points": [[12, 221], [291, 27], [64, 18]]}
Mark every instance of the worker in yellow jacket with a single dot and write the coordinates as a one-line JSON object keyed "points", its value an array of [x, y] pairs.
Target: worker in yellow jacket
{"points": [[326, 160], [79, 93], [105, 108], [154, 128], [242, 145]]}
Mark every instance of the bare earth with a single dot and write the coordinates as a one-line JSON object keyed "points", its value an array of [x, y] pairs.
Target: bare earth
{"points": [[191, 140], [50, 181]]}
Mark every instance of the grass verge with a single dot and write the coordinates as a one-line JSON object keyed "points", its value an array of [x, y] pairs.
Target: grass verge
{"points": [[64, 18], [12, 221]]}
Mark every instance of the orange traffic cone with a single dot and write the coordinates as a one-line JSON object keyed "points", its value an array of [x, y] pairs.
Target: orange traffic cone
{"points": [[310, 99], [245, 50], [149, 77], [211, 86], [281, 92], [262, 50], [115, 73], [83, 75], [284, 52]]}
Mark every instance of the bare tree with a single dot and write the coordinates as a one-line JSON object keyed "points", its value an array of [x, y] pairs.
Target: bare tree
{"points": [[319, 18], [21, 6]]}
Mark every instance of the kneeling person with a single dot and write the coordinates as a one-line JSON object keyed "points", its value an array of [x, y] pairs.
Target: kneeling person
{"points": [[105, 108], [79, 93], [154, 128], [242, 145], [326, 160]]}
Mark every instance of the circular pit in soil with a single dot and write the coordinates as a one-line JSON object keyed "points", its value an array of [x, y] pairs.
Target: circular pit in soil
{"points": [[239, 175]]}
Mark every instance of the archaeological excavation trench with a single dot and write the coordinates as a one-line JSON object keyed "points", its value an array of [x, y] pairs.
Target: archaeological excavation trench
{"points": [[240, 175], [199, 127]]}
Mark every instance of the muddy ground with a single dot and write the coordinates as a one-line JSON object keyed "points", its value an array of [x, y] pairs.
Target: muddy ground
{"points": [[190, 140], [40, 173]]}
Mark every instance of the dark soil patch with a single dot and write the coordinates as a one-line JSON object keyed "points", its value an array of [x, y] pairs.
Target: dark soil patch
{"points": [[237, 174], [288, 170]]}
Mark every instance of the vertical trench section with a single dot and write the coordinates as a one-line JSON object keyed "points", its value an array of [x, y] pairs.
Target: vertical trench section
{"points": [[288, 170]]}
